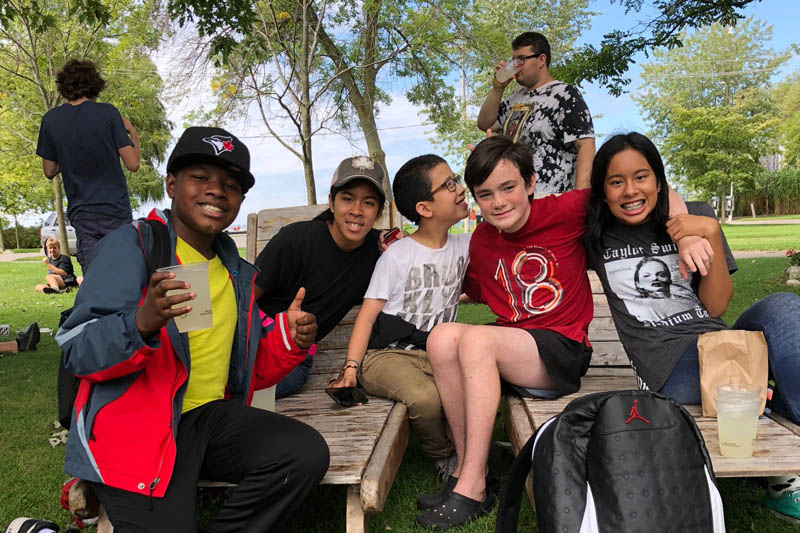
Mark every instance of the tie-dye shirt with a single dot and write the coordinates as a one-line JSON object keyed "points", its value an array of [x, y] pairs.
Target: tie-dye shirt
{"points": [[550, 119]]}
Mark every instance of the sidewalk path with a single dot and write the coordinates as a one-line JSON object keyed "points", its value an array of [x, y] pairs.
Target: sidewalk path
{"points": [[756, 253], [7, 256], [764, 222]]}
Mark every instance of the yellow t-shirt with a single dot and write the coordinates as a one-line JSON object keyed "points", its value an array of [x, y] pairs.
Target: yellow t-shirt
{"points": [[210, 349]]}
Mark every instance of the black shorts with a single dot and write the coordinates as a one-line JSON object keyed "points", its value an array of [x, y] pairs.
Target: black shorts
{"points": [[565, 360]]}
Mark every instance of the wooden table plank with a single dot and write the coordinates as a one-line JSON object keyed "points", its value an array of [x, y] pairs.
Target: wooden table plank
{"points": [[351, 433], [385, 461]]}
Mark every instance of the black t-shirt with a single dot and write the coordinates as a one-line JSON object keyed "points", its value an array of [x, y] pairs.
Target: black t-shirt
{"points": [[657, 313], [85, 140], [304, 254], [64, 263]]}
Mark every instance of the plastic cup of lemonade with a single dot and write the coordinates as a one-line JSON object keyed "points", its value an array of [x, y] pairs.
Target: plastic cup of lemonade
{"points": [[738, 407], [507, 71], [196, 275]]}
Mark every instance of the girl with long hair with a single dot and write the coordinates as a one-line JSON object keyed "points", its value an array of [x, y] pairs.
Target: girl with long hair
{"points": [[627, 225]]}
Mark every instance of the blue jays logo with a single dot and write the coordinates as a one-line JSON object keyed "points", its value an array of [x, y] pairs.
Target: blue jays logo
{"points": [[220, 143]]}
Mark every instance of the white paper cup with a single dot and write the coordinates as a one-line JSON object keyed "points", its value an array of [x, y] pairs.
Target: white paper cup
{"points": [[737, 418], [264, 399], [196, 275]]}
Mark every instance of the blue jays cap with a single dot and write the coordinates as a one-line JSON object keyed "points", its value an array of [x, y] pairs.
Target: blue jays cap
{"points": [[200, 144]]}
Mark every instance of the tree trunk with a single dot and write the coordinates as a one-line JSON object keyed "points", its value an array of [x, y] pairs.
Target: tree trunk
{"points": [[16, 231], [2, 243], [308, 170], [370, 129], [59, 208], [362, 102], [308, 164], [305, 111], [463, 87], [722, 202]]}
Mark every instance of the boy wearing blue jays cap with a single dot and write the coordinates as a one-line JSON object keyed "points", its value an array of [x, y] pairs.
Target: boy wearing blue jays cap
{"points": [[158, 409]]}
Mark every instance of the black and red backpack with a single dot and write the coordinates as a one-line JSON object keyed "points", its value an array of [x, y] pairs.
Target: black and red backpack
{"points": [[619, 461]]}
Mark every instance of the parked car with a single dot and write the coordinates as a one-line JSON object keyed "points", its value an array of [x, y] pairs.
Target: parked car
{"points": [[50, 229]]}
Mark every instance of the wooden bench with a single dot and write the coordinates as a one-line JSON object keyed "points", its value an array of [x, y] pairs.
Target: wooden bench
{"points": [[778, 439], [366, 443]]}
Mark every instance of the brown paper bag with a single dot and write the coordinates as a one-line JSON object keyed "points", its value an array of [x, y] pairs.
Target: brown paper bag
{"points": [[731, 356]]}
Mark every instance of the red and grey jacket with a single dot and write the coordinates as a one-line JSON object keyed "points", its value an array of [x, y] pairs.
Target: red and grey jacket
{"points": [[128, 407]]}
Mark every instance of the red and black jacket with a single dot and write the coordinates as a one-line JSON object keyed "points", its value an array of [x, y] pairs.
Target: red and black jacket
{"points": [[128, 407]]}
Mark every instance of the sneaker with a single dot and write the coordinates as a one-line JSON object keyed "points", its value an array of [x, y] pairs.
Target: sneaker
{"points": [[782, 497], [28, 339], [445, 467], [31, 525]]}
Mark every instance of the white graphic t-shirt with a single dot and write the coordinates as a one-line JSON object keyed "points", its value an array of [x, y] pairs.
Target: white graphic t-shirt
{"points": [[549, 119], [421, 285]]}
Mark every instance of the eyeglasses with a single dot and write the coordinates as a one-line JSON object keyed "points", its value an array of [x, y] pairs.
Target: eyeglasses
{"points": [[449, 184], [520, 60]]}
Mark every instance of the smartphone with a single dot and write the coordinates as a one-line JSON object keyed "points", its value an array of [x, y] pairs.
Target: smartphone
{"points": [[391, 235], [347, 396]]}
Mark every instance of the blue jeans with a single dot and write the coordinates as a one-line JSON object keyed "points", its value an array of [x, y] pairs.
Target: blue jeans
{"points": [[295, 379], [89, 229], [778, 317]]}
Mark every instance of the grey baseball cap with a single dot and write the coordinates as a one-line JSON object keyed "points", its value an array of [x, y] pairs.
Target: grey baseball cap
{"points": [[360, 167]]}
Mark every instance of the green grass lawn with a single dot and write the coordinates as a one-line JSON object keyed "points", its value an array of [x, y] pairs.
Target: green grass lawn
{"points": [[31, 470], [768, 237]]}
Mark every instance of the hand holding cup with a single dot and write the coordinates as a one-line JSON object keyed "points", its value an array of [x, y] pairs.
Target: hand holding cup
{"points": [[157, 308]]}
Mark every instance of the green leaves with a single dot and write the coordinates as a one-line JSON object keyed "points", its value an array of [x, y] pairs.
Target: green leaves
{"points": [[609, 63], [709, 105], [36, 39]]}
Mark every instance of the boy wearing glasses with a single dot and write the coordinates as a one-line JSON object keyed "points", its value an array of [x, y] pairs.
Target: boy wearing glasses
{"points": [[548, 115], [415, 286]]}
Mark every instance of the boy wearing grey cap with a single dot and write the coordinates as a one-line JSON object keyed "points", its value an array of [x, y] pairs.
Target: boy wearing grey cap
{"points": [[156, 408], [331, 256]]}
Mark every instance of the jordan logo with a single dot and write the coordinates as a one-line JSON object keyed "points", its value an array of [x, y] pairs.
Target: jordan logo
{"points": [[634, 414]]}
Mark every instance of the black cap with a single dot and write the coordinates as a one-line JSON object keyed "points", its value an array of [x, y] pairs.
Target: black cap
{"points": [[212, 145]]}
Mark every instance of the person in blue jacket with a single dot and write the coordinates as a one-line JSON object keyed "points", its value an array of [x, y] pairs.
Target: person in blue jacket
{"points": [[158, 409]]}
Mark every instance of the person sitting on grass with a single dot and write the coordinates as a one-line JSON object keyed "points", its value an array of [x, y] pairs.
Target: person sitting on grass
{"points": [[25, 342], [628, 213], [60, 272], [415, 286], [156, 408], [332, 256]]}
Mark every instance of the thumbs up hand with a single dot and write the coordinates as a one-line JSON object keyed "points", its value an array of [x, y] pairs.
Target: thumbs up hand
{"points": [[302, 325]]}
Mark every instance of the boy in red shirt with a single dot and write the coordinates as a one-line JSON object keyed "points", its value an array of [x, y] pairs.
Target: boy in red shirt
{"points": [[528, 264]]}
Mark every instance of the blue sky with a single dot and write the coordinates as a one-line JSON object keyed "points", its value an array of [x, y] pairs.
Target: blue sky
{"points": [[279, 174]]}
